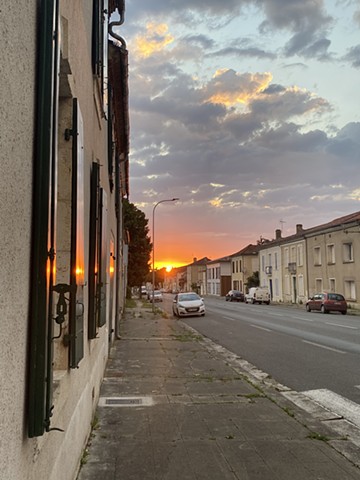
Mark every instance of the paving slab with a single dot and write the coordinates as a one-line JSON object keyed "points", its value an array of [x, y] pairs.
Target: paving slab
{"points": [[175, 406]]}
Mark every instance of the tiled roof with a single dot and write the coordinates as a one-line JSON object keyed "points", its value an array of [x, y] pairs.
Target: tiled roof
{"points": [[220, 260], [201, 261], [302, 233], [248, 250], [337, 222]]}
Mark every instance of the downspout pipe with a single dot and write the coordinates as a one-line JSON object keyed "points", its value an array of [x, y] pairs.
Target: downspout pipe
{"points": [[118, 23]]}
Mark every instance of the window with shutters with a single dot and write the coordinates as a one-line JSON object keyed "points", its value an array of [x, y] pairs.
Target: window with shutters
{"points": [[100, 49], [317, 256], [348, 252]]}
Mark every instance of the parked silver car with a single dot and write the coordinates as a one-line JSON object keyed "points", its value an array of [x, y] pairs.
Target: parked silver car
{"points": [[188, 304]]}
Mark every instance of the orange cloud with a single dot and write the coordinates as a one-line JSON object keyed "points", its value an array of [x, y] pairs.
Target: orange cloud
{"points": [[229, 87], [155, 40]]}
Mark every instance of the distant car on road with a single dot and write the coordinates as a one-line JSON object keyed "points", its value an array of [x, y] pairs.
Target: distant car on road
{"points": [[188, 304], [235, 296], [327, 302], [157, 296], [258, 295]]}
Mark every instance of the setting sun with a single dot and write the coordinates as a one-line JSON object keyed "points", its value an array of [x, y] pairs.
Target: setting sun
{"points": [[169, 266]]}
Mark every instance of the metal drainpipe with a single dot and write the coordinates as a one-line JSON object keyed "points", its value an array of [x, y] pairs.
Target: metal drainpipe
{"points": [[118, 200], [117, 24]]}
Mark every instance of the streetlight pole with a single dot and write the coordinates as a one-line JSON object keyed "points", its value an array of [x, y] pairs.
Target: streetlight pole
{"points": [[153, 245]]}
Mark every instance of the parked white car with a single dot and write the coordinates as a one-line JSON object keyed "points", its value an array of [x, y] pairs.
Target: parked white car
{"points": [[157, 296], [258, 295], [188, 304]]}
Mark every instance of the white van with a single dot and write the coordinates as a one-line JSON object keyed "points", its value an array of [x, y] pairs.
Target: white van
{"points": [[258, 295]]}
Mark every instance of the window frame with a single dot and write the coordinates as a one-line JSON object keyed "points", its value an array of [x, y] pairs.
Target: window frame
{"points": [[348, 252]]}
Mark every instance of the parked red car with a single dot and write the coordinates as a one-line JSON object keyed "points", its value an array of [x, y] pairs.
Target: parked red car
{"points": [[327, 302]]}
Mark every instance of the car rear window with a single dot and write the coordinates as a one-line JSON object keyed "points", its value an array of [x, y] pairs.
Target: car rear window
{"points": [[335, 296]]}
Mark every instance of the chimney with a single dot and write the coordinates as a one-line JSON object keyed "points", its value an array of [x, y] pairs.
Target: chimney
{"points": [[195, 259], [277, 234], [299, 228]]}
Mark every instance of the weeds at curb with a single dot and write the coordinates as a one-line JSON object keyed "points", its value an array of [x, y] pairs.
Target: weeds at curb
{"points": [[318, 436], [130, 303], [289, 412], [186, 337]]}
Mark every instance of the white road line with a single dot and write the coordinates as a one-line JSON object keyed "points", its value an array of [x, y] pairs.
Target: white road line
{"points": [[343, 326], [337, 404], [260, 328], [229, 318], [324, 346], [305, 319]]}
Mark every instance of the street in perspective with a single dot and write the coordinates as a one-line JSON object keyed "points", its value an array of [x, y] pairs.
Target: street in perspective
{"points": [[243, 392], [180, 240]]}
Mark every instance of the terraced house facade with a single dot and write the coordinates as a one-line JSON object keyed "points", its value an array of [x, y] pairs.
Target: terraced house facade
{"points": [[64, 147], [322, 258]]}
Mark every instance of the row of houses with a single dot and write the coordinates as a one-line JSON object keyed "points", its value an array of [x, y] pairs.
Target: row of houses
{"points": [[63, 258], [321, 258]]}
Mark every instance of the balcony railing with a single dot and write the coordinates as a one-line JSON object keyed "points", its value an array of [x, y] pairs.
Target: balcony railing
{"points": [[292, 267]]}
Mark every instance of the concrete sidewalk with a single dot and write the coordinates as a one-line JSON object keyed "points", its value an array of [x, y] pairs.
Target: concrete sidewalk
{"points": [[175, 406]]}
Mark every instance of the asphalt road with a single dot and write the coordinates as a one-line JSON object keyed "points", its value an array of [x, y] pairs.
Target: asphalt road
{"points": [[304, 351]]}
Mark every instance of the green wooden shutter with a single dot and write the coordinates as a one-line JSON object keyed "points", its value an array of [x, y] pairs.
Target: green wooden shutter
{"points": [[93, 250], [43, 225], [77, 267], [103, 266], [98, 37]]}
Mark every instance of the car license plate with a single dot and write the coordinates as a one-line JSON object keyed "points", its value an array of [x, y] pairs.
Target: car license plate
{"points": [[192, 309]]}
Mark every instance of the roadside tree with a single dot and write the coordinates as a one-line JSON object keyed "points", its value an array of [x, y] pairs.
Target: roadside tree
{"points": [[253, 280], [140, 245]]}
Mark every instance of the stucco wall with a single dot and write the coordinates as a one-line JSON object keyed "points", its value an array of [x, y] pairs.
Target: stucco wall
{"points": [[17, 52], [55, 455]]}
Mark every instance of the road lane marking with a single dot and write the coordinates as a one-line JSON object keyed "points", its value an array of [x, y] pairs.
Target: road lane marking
{"points": [[324, 346], [337, 404], [229, 318], [344, 326], [260, 328]]}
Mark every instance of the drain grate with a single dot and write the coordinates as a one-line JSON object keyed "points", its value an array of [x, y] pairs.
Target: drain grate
{"points": [[125, 401], [122, 401]]}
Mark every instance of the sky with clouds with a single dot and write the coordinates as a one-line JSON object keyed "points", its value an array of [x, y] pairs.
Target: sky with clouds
{"points": [[248, 111]]}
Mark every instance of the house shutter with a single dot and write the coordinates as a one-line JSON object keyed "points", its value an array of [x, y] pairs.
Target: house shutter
{"points": [[103, 267], [43, 226], [77, 267], [94, 250], [96, 37]]}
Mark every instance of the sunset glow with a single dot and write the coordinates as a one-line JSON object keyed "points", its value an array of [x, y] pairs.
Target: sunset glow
{"points": [[170, 265], [231, 109]]}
